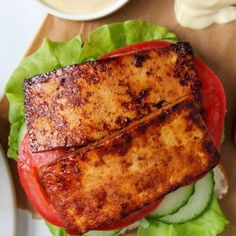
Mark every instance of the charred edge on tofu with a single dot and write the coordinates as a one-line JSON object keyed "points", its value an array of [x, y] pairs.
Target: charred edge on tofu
{"points": [[184, 50]]}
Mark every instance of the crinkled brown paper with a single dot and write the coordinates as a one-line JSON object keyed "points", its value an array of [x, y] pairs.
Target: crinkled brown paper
{"points": [[216, 45]]}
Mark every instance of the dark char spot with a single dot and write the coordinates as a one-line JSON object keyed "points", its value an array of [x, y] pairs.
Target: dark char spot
{"points": [[122, 121], [142, 94], [139, 59], [160, 104]]}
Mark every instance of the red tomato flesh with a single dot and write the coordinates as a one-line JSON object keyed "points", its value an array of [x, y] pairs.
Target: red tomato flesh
{"points": [[214, 103], [28, 164], [140, 46]]}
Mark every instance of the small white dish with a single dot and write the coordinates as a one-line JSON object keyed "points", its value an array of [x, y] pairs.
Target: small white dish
{"points": [[7, 199], [83, 17]]}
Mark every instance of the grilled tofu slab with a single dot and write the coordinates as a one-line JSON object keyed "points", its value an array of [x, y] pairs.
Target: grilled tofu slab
{"points": [[114, 177], [82, 103]]}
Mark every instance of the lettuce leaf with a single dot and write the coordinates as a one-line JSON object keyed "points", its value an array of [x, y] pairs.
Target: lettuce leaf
{"points": [[210, 223], [56, 231], [54, 55], [109, 37]]}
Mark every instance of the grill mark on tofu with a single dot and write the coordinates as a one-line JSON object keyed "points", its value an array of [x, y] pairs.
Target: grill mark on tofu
{"points": [[83, 103], [108, 180]]}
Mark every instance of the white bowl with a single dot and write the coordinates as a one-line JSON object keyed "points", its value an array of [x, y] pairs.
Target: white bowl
{"points": [[7, 201], [83, 17]]}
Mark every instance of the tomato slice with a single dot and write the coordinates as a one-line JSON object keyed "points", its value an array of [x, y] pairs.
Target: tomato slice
{"points": [[214, 103], [27, 165], [140, 46]]}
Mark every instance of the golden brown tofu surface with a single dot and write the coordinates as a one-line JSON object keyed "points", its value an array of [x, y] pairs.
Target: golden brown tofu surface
{"points": [[110, 179], [82, 103]]}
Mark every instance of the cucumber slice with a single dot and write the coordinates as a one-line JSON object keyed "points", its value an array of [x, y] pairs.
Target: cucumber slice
{"points": [[173, 202], [197, 203]]}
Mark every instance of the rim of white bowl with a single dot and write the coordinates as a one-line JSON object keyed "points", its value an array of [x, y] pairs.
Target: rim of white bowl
{"points": [[8, 198], [84, 17]]}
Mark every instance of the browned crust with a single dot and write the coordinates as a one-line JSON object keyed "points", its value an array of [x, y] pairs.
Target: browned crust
{"points": [[80, 104], [109, 180]]}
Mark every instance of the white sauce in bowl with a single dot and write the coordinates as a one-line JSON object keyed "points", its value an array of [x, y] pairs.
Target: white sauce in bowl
{"points": [[198, 14], [80, 6]]}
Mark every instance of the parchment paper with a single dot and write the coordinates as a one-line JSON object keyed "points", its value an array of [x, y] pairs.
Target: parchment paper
{"points": [[216, 45]]}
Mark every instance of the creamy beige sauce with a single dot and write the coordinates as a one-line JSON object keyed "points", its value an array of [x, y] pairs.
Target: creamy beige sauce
{"points": [[80, 6], [198, 14]]}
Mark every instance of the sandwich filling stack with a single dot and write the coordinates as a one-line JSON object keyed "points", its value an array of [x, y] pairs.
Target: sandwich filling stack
{"points": [[113, 140], [135, 125]]}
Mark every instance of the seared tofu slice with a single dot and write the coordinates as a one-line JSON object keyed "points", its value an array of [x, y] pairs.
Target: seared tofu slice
{"points": [[110, 179], [83, 103]]}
